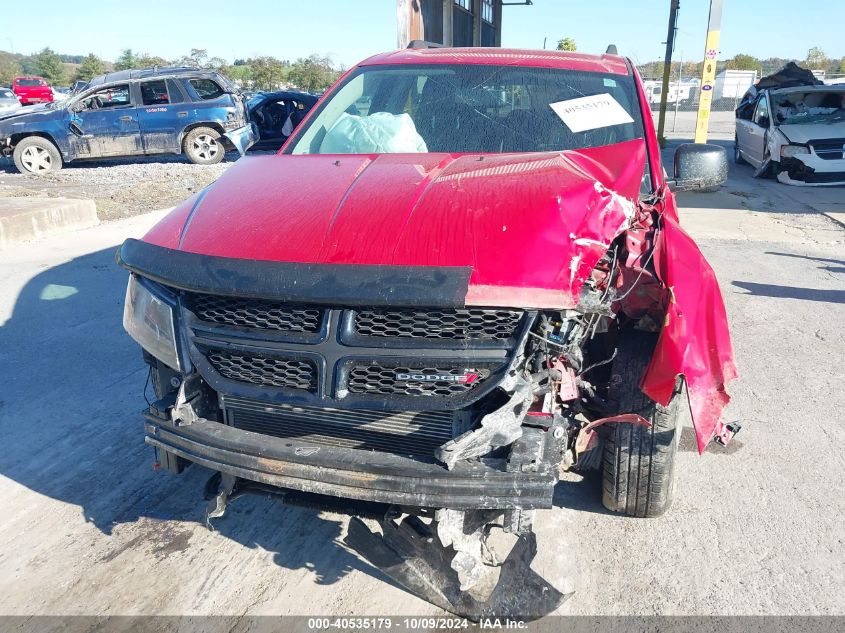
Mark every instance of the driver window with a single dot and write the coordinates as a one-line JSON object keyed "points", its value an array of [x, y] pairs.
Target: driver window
{"points": [[761, 116], [111, 97]]}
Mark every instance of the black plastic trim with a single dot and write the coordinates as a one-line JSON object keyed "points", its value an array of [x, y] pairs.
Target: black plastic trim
{"points": [[322, 284]]}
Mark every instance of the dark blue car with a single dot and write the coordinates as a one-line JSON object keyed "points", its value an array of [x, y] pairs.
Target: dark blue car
{"points": [[277, 114], [198, 113]]}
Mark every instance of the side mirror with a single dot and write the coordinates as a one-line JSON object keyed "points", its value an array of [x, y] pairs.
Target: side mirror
{"points": [[698, 166], [79, 106], [763, 121]]}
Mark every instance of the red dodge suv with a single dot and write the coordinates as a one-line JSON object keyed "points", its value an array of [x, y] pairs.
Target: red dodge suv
{"points": [[462, 275], [32, 90]]}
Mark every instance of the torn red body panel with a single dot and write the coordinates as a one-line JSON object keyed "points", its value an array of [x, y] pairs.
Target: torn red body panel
{"points": [[531, 227], [695, 340]]}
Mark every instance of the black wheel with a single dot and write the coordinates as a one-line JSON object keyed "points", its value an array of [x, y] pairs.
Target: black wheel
{"points": [[203, 146], [36, 155], [738, 159], [638, 470]]}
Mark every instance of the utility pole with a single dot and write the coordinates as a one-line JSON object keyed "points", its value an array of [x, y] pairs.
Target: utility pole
{"points": [[667, 67], [708, 75]]}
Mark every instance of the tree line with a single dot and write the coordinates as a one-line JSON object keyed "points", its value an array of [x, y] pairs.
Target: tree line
{"points": [[316, 72], [313, 73], [816, 59]]}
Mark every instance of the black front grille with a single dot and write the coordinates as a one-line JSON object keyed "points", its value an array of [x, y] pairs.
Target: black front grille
{"points": [[414, 381], [256, 313], [264, 370], [830, 150], [403, 433], [402, 358], [472, 324]]}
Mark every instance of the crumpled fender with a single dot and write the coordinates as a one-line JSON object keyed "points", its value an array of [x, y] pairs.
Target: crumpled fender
{"points": [[695, 341]]}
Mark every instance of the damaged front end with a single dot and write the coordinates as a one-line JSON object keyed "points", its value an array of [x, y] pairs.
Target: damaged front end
{"points": [[442, 401], [243, 138]]}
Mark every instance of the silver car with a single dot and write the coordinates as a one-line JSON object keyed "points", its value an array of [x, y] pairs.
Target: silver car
{"points": [[8, 101]]}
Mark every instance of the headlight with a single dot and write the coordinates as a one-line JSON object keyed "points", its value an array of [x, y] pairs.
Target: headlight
{"points": [[149, 320], [788, 151]]}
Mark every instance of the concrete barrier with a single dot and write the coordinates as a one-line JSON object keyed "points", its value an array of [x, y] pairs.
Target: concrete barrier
{"points": [[24, 219]]}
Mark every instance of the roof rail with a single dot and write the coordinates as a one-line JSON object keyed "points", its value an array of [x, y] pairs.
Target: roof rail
{"points": [[423, 44], [171, 69]]}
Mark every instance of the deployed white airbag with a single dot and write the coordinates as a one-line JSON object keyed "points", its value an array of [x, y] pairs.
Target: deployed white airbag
{"points": [[379, 133]]}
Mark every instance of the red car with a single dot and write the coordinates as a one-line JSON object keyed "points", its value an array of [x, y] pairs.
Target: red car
{"points": [[32, 90], [425, 310]]}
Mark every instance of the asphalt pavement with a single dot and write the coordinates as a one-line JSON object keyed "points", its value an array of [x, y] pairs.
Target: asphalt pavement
{"points": [[757, 528]]}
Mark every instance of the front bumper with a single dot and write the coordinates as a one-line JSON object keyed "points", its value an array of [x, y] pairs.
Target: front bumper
{"points": [[810, 170], [243, 138], [356, 474]]}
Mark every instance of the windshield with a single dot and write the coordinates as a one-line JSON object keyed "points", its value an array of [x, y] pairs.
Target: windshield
{"points": [[31, 82], [797, 108], [471, 108]]}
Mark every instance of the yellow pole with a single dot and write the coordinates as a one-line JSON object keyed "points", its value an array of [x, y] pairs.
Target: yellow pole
{"points": [[708, 74]]}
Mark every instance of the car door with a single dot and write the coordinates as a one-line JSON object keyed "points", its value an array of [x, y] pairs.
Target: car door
{"points": [[105, 123], [212, 103], [757, 131], [744, 121], [160, 116]]}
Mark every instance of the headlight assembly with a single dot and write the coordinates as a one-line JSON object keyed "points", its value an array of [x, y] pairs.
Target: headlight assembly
{"points": [[789, 151], [149, 320]]}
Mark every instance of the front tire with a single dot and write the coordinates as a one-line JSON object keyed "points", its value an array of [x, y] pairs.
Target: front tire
{"points": [[36, 155], [738, 159], [203, 146], [638, 470]]}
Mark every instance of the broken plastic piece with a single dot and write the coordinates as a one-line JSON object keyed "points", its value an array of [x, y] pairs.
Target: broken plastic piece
{"points": [[726, 434], [410, 553], [499, 428], [218, 503]]}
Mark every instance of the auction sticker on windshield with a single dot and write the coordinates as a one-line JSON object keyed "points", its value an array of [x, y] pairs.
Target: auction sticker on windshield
{"points": [[589, 113]]}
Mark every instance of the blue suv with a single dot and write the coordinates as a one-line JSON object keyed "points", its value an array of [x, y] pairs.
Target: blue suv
{"points": [[198, 113]]}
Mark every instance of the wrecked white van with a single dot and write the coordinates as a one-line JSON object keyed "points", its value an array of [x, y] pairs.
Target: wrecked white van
{"points": [[792, 126]]}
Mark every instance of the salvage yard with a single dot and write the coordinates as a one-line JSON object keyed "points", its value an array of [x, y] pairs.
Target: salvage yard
{"points": [[89, 528], [119, 188]]}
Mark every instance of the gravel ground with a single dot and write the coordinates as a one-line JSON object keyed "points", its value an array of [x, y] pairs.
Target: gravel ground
{"points": [[120, 188]]}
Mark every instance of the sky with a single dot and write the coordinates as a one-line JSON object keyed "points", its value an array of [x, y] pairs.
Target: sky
{"points": [[350, 30]]}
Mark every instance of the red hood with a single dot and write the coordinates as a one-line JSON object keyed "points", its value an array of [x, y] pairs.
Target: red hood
{"points": [[530, 226]]}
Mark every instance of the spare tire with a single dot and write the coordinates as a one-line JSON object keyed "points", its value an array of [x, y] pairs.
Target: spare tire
{"points": [[638, 463]]}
